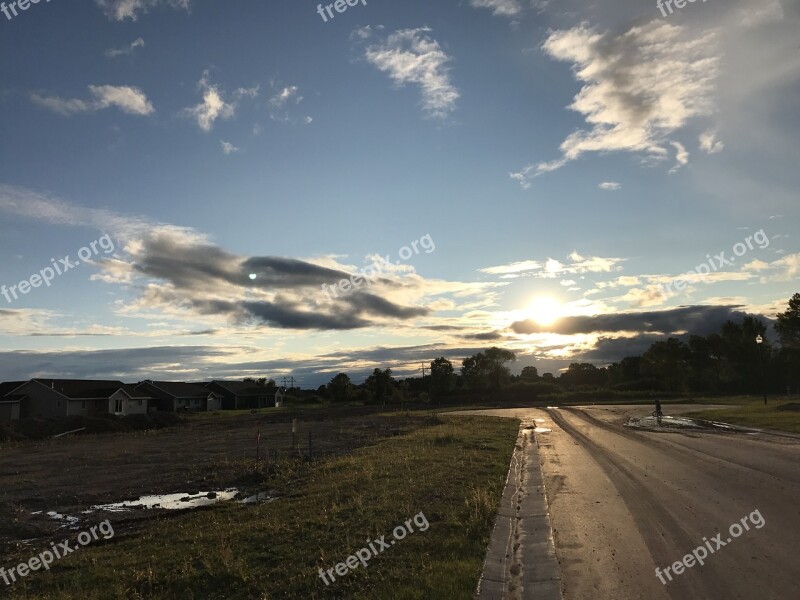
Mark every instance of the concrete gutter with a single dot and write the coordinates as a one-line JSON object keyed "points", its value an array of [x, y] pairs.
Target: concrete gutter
{"points": [[521, 561]]}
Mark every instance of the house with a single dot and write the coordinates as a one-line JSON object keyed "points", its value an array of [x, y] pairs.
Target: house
{"points": [[10, 401], [242, 394], [68, 397], [174, 396], [128, 400]]}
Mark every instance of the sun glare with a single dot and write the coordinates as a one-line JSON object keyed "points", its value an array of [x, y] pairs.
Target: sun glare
{"points": [[544, 310]]}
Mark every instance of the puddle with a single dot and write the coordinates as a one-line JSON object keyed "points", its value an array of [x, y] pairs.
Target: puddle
{"points": [[170, 501], [182, 501], [68, 521], [681, 423], [539, 420], [542, 430], [553, 408]]}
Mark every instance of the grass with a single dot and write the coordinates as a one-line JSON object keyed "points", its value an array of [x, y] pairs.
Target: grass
{"points": [[755, 414], [451, 469]]}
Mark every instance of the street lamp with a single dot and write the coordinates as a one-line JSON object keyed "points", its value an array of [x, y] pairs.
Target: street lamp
{"points": [[760, 341]]}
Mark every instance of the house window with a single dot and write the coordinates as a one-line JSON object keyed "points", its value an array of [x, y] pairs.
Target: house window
{"points": [[59, 404], [197, 402], [140, 402], [118, 407]]}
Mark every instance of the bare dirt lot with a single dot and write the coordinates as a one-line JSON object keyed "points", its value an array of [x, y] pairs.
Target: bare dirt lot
{"points": [[70, 475]]}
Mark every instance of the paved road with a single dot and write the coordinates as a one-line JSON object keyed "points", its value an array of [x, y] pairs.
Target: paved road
{"points": [[624, 502]]}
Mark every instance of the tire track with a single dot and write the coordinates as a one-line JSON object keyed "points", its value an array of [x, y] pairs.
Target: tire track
{"points": [[660, 530]]}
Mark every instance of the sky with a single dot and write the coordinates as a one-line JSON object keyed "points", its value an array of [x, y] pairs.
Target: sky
{"points": [[195, 189]]}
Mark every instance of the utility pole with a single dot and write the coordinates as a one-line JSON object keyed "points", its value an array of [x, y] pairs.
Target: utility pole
{"points": [[423, 370]]}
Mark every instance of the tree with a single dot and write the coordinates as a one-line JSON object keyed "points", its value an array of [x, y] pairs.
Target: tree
{"points": [[667, 362], [529, 374], [788, 328], [442, 376], [487, 368], [381, 385], [583, 374], [340, 389]]}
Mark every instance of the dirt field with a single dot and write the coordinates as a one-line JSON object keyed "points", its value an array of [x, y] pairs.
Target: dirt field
{"points": [[69, 475]]}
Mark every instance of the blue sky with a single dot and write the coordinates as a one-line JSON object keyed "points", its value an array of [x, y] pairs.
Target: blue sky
{"points": [[565, 161]]}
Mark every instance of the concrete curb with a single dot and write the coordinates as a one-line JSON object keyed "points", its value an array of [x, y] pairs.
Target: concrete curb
{"points": [[520, 560]]}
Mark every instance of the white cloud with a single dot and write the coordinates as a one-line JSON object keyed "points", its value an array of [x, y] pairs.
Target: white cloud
{"points": [[504, 8], [214, 106], [517, 267], [552, 268], [412, 56], [709, 142], [119, 10], [637, 88], [681, 156], [114, 52], [610, 185], [285, 95], [228, 148], [128, 99]]}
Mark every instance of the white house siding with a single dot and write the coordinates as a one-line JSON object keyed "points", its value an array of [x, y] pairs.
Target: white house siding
{"points": [[130, 406], [214, 403]]}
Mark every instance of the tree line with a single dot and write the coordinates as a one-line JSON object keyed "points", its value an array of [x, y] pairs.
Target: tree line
{"points": [[730, 361]]}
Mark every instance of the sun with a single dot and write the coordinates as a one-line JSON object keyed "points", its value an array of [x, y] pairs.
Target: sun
{"points": [[544, 310]]}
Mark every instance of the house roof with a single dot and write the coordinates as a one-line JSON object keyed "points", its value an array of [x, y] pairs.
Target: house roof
{"points": [[7, 387], [243, 388], [82, 389], [180, 389], [134, 392]]}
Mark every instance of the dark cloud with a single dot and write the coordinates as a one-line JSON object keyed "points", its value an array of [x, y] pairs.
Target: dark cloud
{"points": [[700, 320], [193, 270], [610, 350], [486, 337], [375, 305]]}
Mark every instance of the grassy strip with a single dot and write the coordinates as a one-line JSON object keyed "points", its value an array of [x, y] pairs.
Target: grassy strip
{"points": [[754, 414], [452, 469]]}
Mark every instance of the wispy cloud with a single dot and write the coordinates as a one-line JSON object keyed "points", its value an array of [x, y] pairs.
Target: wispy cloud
{"points": [[552, 268], [214, 106], [119, 10], [129, 49], [287, 94], [610, 186], [130, 100], [638, 88], [709, 142], [412, 56], [503, 8], [228, 148]]}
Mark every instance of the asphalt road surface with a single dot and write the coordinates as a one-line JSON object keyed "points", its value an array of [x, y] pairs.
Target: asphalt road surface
{"points": [[624, 502]]}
